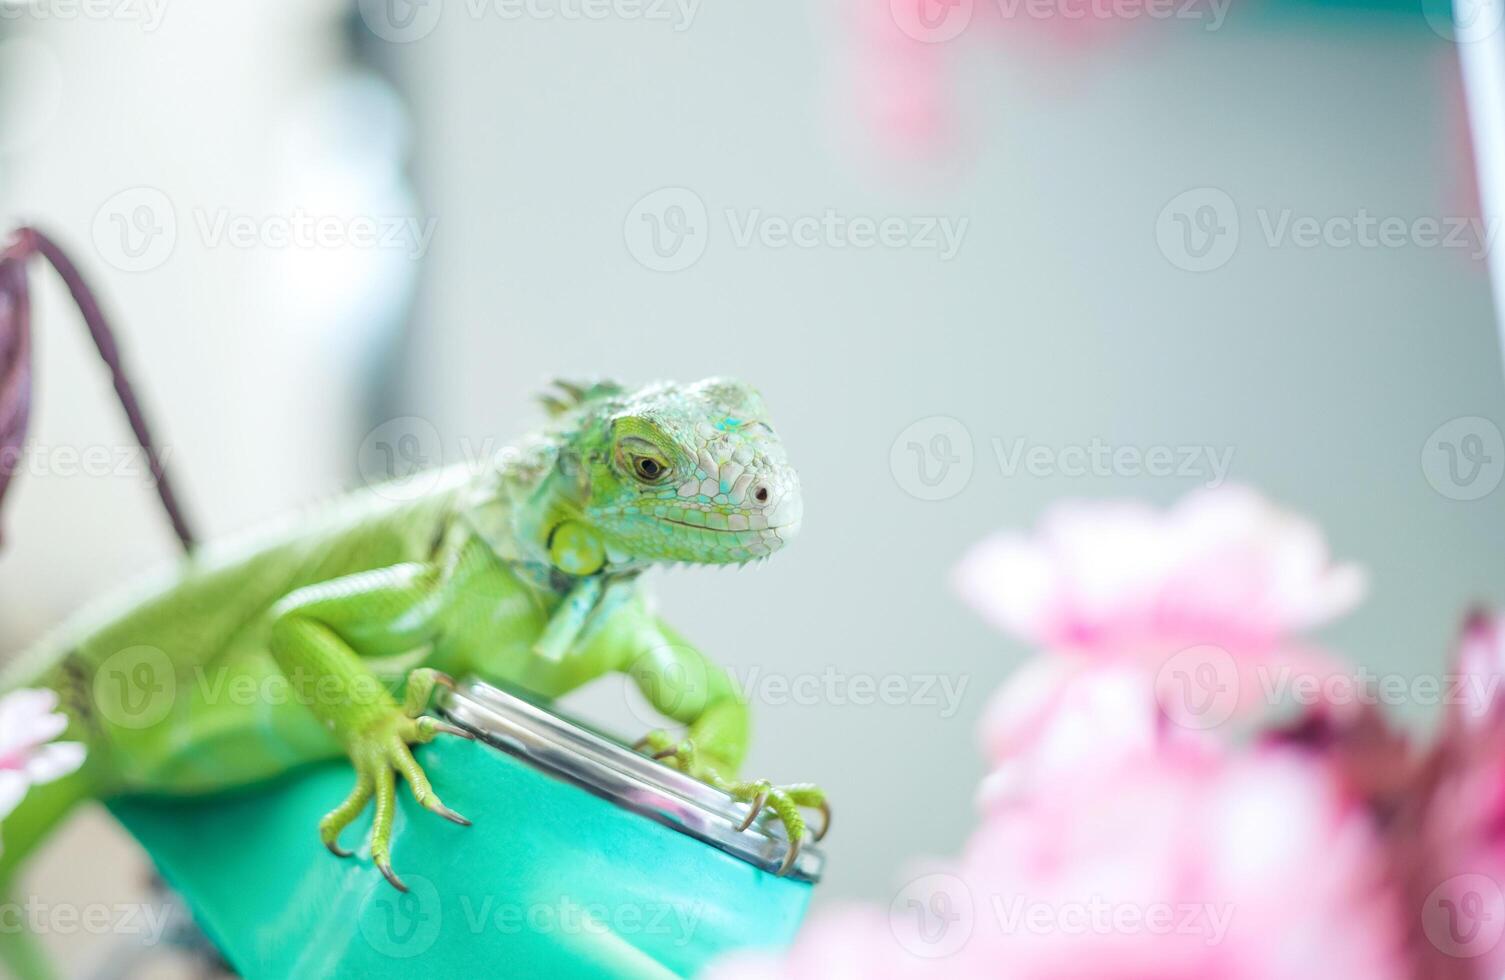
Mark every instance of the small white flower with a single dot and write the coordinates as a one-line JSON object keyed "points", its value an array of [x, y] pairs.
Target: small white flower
{"points": [[29, 721]]}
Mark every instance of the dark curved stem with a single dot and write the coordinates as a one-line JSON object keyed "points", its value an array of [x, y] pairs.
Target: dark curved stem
{"points": [[15, 384]]}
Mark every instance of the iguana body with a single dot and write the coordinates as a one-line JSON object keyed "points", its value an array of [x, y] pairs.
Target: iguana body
{"points": [[325, 637]]}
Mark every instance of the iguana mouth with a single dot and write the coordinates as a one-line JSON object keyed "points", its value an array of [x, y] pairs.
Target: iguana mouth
{"points": [[725, 530]]}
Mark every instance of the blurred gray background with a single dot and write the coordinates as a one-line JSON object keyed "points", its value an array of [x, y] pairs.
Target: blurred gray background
{"points": [[1071, 316]]}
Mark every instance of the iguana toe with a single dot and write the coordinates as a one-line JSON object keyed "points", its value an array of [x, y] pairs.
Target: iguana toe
{"points": [[380, 754], [760, 794]]}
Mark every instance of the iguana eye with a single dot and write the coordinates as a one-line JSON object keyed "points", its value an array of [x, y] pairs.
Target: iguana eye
{"points": [[643, 460], [648, 468]]}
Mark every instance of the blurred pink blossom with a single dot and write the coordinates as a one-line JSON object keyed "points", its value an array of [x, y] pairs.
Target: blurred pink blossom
{"points": [[1446, 810], [1179, 866], [1065, 716], [1207, 865], [1119, 838], [905, 53], [1221, 567], [898, 81]]}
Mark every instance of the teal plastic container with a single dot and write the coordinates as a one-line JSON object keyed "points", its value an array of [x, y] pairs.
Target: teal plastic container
{"points": [[585, 860]]}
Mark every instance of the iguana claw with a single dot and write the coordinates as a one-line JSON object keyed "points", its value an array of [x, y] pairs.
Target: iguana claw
{"points": [[789, 858], [380, 754], [390, 875], [784, 801], [825, 819], [753, 809]]}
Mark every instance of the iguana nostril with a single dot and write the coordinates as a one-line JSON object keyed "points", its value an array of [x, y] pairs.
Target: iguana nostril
{"points": [[761, 495]]}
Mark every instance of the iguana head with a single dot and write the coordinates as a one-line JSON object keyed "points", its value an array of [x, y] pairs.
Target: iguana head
{"points": [[671, 472]]}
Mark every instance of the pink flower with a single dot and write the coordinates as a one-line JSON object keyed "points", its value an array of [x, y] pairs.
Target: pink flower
{"points": [[1123, 837], [1448, 837], [897, 82], [904, 53], [1183, 865], [29, 721], [1191, 864], [1222, 567], [1062, 717]]}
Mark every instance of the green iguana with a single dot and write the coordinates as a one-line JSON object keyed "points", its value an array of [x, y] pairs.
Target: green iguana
{"points": [[327, 635]]}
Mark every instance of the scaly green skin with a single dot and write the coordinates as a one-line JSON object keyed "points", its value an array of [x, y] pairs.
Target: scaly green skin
{"points": [[294, 647]]}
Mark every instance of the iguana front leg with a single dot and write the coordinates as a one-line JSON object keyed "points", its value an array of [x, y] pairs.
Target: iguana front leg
{"points": [[319, 635], [682, 684]]}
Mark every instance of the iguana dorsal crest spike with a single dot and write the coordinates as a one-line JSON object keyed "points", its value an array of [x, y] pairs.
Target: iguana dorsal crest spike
{"points": [[568, 395]]}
